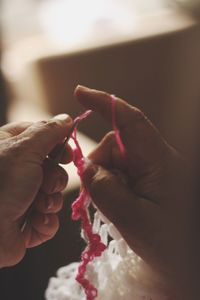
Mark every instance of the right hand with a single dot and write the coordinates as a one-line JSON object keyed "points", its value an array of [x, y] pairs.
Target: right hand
{"points": [[145, 195], [31, 185]]}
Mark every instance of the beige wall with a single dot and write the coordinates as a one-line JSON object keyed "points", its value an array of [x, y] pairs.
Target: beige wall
{"points": [[160, 75]]}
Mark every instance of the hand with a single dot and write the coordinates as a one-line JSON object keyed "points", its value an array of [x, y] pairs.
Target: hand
{"points": [[31, 185], [147, 194]]}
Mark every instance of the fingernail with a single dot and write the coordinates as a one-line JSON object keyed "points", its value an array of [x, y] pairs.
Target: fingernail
{"points": [[63, 117], [49, 204], [46, 219]]}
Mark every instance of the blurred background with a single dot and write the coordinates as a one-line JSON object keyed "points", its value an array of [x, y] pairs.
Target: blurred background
{"points": [[145, 51]]}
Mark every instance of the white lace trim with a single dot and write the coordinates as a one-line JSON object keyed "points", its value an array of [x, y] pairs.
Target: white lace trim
{"points": [[118, 274]]}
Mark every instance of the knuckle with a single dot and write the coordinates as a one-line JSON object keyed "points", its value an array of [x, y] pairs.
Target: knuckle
{"points": [[20, 149], [52, 124], [38, 125], [42, 122], [46, 125]]}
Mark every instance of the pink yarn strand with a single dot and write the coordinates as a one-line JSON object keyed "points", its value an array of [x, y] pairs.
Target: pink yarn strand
{"points": [[94, 246]]}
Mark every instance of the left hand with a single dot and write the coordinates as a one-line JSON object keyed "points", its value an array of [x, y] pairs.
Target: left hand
{"points": [[146, 194]]}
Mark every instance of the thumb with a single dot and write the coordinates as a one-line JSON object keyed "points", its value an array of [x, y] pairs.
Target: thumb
{"points": [[43, 136], [134, 217], [107, 192]]}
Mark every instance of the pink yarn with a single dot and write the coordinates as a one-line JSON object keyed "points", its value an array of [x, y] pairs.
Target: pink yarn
{"points": [[94, 246], [79, 212]]}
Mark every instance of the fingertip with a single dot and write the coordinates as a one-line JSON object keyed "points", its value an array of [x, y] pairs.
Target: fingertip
{"points": [[101, 102], [81, 92], [96, 100], [79, 89], [63, 118]]}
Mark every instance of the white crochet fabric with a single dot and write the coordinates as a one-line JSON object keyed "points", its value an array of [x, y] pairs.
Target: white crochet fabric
{"points": [[118, 274]]}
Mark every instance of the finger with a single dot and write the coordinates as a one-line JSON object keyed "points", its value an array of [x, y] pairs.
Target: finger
{"points": [[135, 218], [67, 154], [150, 185], [40, 228], [46, 204], [147, 156], [100, 102], [55, 178], [43, 136], [13, 129], [107, 153], [140, 137]]}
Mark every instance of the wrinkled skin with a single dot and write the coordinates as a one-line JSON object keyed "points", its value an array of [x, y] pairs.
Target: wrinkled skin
{"points": [[30, 186], [147, 194]]}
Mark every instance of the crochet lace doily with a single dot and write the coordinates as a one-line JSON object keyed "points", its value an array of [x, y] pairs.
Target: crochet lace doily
{"points": [[118, 274]]}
